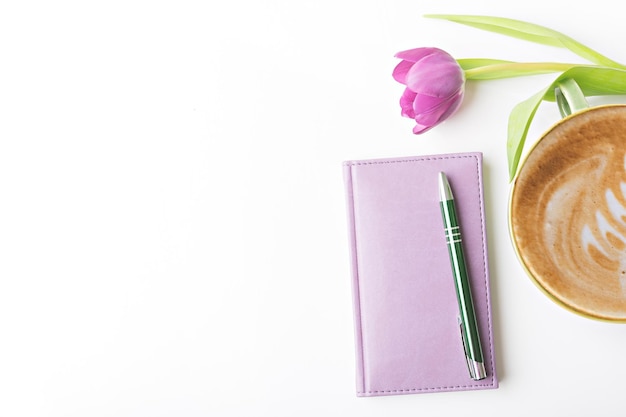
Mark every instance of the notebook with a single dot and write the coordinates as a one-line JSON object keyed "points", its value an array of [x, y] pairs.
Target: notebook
{"points": [[407, 333]]}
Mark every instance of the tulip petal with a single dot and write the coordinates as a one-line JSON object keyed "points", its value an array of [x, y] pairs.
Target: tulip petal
{"points": [[454, 106], [422, 126], [438, 111], [419, 129], [406, 103], [435, 75], [414, 55], [400, 71], [424, 104], [432, 118]]}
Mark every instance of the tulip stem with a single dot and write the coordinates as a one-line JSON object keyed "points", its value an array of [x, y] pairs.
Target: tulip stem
{"points": [[514, 69]]}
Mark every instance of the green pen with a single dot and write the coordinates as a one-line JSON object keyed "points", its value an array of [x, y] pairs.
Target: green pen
{"points": [[467, 318]]}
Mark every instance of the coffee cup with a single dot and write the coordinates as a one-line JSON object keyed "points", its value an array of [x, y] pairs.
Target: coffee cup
{"points": [[567, 212]]}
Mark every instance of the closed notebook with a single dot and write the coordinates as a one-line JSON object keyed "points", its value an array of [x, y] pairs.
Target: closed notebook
{"points": [[407, 332]]}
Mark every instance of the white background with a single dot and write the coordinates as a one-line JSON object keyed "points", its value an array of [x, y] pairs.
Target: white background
{"points": [[172, 222]]}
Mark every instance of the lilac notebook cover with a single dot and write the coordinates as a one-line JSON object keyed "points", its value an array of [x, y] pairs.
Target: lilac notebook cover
{"points": [[405, 310]]}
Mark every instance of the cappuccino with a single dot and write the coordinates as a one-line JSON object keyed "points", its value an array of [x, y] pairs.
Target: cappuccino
{"points": [[568, 213]]}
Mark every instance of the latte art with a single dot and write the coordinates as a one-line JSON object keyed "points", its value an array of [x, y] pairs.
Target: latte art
{"points": [[600, 227], [608, 252], [568, 213]]}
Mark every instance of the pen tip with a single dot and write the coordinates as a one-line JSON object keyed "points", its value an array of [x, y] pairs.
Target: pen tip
{"points": [[444, 187]]}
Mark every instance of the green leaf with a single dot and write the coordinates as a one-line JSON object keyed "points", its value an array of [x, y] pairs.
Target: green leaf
{"points": [[594, 81], [529, 32], [519, 121]]}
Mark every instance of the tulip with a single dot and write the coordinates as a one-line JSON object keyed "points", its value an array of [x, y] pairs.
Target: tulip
{"points": [[434, 86], [604, 77]]}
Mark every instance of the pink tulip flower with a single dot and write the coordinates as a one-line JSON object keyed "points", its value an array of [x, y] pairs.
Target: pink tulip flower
{"points": [[434, 86]]}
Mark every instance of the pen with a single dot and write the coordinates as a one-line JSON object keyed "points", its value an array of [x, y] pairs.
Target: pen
{"points": [[467, 319]]}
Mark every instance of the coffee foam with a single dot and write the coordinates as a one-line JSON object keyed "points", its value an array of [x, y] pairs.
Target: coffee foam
{"points": [[568, 212]]}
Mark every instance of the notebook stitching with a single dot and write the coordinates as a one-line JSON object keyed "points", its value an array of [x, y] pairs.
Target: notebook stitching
{"points": [[393, 161], [424, 389], [482, 224]]}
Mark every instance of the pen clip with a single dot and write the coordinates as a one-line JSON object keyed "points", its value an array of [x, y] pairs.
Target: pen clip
{"points": [[476, 369]]}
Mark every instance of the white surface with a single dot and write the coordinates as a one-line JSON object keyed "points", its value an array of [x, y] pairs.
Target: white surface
{"points": [[172, 219]]}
